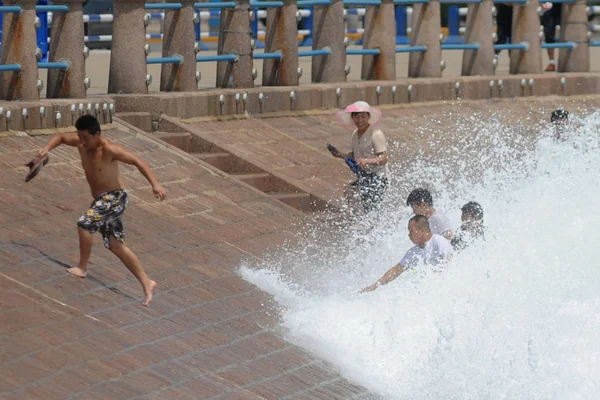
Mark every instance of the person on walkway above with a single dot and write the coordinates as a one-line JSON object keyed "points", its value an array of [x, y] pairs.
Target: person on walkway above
{"points": [[429, 249], [504, 14], [551, 17], [422, 204], [472, 226], [368, 158]]}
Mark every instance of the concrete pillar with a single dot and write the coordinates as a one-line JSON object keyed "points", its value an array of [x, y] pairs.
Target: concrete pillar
{"points": [[526, 28], [66, 44], [379, 22], [480, 30], [329, 31], [282, 35], [127, 58], [574, 28], [426, 30], [235, 38], [18, 47], [178, 40]]}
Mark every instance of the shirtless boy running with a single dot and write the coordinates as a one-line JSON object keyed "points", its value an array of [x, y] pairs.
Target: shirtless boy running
{"points": [[99, 158]]}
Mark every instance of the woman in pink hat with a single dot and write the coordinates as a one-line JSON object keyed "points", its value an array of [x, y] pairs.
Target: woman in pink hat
{"points": [[369, 156]]}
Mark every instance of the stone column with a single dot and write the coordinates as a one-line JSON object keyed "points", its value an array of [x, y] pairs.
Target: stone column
{"points": [[329, 31], [379, 22], [127, 58], [18, 47], [574, 28], [426, 30], [235, 38], [178, 40], [526, 28], [282, 35], [480, 30], [66, 44]]}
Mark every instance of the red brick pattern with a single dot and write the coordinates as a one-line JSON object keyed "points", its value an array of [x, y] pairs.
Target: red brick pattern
{"points": [[207, 334]]}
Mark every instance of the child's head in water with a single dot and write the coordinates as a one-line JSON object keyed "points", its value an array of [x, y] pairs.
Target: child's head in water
{"points": [[559, 118], [360, 114]]}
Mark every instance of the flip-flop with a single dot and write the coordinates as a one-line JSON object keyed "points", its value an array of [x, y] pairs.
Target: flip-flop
{"points": [[35, 166], [353, 166]]}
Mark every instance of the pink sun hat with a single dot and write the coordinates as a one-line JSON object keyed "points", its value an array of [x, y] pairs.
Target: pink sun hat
{"points": [[360, 106]]}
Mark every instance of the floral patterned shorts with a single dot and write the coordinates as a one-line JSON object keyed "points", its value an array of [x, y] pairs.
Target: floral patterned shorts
{"points": [[105, 215]]}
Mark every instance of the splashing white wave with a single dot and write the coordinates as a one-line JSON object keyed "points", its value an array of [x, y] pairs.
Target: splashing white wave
{"points": [[516, 316]]}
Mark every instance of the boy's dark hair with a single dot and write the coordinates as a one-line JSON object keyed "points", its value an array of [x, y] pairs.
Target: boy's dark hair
{"points": [[359, 112], [421, 222], [88, 123], [473, 208], [418, 196], [558, 115]]}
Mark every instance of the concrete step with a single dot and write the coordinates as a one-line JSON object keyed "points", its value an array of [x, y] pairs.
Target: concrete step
{"points": [[181, 140], [261, 181], [221, 161], [141, 120], [300, 201]]}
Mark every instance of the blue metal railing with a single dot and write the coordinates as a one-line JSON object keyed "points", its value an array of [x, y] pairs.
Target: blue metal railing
{"points": [[51, 8], [362, 2], [312, 3], [163, 6], [10, 68], [472, 46], [411, 49], [559, 45], [219, 57], [312, 53], [266, 4], [53, 65], [164, 60], [363, 52], [226, 4], [512, 46], [11, 9], [267, 56]]}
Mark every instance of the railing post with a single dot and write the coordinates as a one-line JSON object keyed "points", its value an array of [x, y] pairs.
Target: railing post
{"points": [[235, 38], [66, 44], [281, 35], [127, 58], [574, 28], [19, 46], [426, 28], [178, 40], [329, 31], [380, 22], [480, 30], [526, 28]]}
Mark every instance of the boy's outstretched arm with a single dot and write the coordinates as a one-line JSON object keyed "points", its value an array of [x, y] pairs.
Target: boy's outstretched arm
{"points": [[120, 154], [389, 276], [70, 139]]}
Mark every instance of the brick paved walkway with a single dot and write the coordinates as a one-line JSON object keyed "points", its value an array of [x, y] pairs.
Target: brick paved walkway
{"points": [[208, 334]]}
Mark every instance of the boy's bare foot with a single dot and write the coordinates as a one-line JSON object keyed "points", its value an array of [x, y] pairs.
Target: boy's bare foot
{"points": [[149, 291], [76, 271]]}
